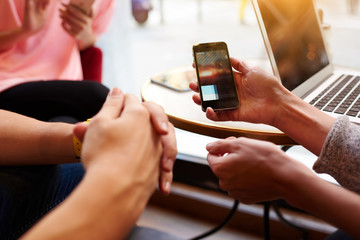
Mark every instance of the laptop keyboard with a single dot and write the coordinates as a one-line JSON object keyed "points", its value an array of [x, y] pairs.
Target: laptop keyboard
{"points": [[342, 97]]}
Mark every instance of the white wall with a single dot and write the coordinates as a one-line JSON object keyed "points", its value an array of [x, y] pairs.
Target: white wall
{"points": [[116, 46]]}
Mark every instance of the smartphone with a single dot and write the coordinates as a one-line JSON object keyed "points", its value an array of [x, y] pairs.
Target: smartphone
{"points": [[84, 5], [215, 76]]}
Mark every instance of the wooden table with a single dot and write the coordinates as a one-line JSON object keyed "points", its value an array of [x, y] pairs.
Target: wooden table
{"points": [[186, 115]]}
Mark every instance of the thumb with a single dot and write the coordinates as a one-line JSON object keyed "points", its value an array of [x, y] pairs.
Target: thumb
{"points": [[239, 65], [80, 130]]}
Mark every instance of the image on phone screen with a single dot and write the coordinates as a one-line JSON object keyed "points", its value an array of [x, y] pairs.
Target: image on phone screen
{"points": [[215, 77]]}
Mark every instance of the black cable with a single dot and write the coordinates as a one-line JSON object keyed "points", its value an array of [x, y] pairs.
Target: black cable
{"points": [[290, 224], [286, 147], [221, 225], [281, 217], [267, 208], [267, 220], [232, 212]]}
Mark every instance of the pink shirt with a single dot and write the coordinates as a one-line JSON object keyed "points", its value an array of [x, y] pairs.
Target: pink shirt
{"points": [[51, 53]]}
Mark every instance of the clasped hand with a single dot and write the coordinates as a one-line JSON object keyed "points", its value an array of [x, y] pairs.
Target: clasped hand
{"points": [[134, 138], [34, 15], [78, 24]]}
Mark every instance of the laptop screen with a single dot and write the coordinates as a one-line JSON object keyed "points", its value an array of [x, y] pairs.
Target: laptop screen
{"points": [[295, 38]]}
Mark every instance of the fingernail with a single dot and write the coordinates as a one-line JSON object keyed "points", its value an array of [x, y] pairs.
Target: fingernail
{"points": [[164, 126], [167, 186], [169, 164], [115, 92]]}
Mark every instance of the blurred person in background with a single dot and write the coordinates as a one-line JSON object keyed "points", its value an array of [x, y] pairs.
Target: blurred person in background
{"points": [[40, 66]]}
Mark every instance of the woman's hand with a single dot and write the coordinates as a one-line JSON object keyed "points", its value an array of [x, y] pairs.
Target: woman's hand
{"points": [[34, 16], [254, 171], [259, 95], [34, 20], [78, 24]]}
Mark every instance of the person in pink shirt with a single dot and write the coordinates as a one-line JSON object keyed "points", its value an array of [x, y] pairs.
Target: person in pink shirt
{"points": [[40, 66]]}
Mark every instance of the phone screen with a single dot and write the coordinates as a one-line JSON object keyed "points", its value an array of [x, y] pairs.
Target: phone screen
{"points": [[215, 77]]}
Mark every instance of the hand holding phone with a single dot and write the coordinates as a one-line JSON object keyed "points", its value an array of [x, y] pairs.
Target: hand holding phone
{"points": [[215, 77]]}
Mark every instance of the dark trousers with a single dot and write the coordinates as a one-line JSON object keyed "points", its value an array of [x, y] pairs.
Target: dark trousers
{"points": [[28, 193], [339, 235], [45, 100]]}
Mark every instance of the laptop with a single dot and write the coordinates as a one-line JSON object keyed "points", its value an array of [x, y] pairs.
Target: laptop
{"points": [[297, 51]]}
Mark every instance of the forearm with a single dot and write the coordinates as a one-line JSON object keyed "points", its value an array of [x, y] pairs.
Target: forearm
{"points": [[26, 141], [324, 200], [87, 42], [11, 37], [302, 122], [106, 206]]}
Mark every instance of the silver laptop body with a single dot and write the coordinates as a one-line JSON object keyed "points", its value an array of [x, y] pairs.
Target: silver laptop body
{"points": [[299, 57]]}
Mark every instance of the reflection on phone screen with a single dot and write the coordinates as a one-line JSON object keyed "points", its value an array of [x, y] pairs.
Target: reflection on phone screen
{"points": [[210, 93], [215, 75]]}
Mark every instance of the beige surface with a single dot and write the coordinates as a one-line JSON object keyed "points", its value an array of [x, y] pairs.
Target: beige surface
{"points": [[186, 115]]}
